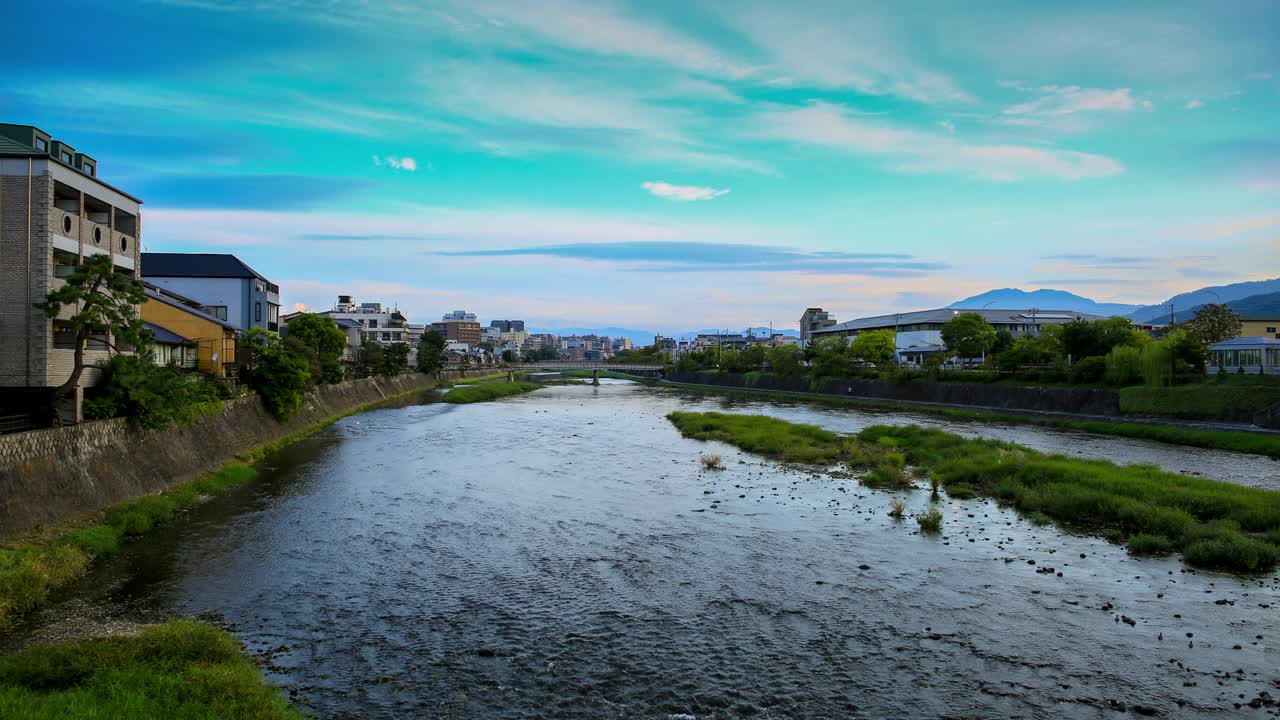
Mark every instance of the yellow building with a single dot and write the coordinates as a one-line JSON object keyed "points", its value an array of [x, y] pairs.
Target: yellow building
{"points": [[214, 339], [1265, 325]]}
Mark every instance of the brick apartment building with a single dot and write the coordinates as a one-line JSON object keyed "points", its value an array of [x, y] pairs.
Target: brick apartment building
{"points": [[54, 211], [459, 326]]}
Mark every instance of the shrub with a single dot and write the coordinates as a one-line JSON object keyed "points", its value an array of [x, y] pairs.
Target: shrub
{"points": [[1089, 370], [930, 520], [1124, 366], [152, 396], [897, 508], [1147, 544], [711, 461]]}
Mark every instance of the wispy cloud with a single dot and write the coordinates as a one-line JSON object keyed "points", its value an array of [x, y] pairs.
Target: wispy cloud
{"points": [[683, 193], [1102, 260], [1193, 104], [1054, 101], [911, 150], [708, 257]]}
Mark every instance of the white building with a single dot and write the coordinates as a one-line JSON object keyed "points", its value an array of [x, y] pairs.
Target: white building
{"points": [[377, 324]]}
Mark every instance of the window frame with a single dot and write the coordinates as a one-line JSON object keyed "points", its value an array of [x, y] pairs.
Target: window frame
{"points": [[257, 311]]}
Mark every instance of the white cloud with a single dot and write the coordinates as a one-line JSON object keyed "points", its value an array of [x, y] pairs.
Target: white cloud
{"points": [[947, 125], [1057, 101], [916, 151], [399, 163], [683, 193], [1193, 104]]}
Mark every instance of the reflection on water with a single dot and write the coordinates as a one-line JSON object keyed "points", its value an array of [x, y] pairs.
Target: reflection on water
{"points": [[562, 554]]}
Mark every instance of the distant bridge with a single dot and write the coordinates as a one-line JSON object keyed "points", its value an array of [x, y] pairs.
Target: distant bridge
{"points": [[583, 365]]}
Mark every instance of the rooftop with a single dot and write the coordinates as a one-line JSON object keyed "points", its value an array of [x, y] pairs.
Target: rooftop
{"points": [[1260, 316], [169, 299], [209, 265], [165, 336], [11, 146], [941, 315], [1247, 343]]}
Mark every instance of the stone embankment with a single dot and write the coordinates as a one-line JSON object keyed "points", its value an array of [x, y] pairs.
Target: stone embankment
{"points": [[47, 476]]}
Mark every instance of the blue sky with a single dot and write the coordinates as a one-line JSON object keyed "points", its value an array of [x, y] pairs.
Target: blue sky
{"points": [[671, 165]]}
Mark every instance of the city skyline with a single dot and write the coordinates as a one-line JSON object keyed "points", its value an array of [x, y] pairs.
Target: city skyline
{"points": [[590, 164]]}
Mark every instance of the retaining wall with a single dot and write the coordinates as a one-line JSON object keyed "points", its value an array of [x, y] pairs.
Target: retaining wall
{"points": [[50, 475], [1088, 401]]}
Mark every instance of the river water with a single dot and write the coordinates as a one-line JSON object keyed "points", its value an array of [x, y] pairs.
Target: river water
{"points": [[563, 555]]}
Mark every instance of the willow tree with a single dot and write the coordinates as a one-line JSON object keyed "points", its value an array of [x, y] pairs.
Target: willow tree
{"points": [[103, 303]]}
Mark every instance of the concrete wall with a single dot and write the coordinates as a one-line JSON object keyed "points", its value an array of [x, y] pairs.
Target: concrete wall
{"points": [[1089, 401], [47, 476]]}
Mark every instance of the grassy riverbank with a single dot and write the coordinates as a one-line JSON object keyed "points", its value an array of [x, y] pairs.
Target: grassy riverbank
{"points": [[181, 670], [586, 374], [1237, 441], [1215, 525], [483, 392], [32, 568], [29, 572]]}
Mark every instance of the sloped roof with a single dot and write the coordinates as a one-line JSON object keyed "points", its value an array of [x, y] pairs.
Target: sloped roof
{"points": [[209, 265], [346, 322], [158, 297], [9, 146], [1245, 342], [1260, 316], [165, 336], [941, 315]]}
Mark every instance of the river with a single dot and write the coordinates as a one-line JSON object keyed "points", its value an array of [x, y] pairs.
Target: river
{"points": [[563, 555]]}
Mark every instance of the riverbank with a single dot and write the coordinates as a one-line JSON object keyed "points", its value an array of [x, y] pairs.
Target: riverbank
{"points": [[180, 670], [1254, 441], [38, 564], [1215, 525]]}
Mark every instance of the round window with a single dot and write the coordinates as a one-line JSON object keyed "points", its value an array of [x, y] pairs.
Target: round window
{"points": [[124, 244], [66, 224], [97, 236]]}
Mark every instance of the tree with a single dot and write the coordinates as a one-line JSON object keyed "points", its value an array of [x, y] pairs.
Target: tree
{"points": [[784, 360], [752, 358], [875, 346], [431, 352], [322, 336], [1026, 350], [829, 357], [150, 395], [277, 370], [509, 356], [395, 359], [105, 303], [968, 335], [1214, 323]]}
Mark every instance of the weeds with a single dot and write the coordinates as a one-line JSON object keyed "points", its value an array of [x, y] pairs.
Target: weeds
{"points": [[930, 520], [711, 461], [483, 392], [778, 439], [897, 508], [182, 670]]}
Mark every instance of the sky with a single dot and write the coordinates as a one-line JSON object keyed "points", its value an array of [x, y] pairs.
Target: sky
{"points": [[677, 165]]}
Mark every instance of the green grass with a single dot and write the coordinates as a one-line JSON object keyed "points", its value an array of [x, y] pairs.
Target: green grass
{"points": [[494, 377], [1215, 525], [1200, 401], [930, 520], [181, 670], [30, 572], [1237, 441], [484, 392], [778, 439], [586, 374]]}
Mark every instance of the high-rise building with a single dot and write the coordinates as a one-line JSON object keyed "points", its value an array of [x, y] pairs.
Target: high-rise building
{"points": [[55, 210], [459, 326], [506, 326]]}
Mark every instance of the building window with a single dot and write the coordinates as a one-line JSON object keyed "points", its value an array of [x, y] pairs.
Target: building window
{"points": [[218, 311], [64, 338], [64, 263], [124, 243], [41, 145], [273, 313], [66, 157], [97, 235], [386, 336], [1271, 329], [373, 323], [88, 168], [257, 312], [66, 224], [97, 341]]}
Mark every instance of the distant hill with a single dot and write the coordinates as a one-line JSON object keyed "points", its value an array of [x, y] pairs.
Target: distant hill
{"points": [[1196, 298], [1264, 303], [1046, 299]]}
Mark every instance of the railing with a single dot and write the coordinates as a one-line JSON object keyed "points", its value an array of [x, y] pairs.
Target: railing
{"points": [[1268, 418]]}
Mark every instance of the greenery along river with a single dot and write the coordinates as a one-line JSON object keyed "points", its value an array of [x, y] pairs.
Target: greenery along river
{"points": [[564, 553]]}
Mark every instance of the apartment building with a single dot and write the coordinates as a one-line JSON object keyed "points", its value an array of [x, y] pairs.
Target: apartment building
{"points": [[813, 320], [377, 323], [228, 289], [459, 326], [55, 210]]}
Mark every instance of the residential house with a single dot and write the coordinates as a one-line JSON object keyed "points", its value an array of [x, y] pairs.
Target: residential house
{"points": [[228, 289], [55, 210], [1260, 324], [171, 348], [1249, 355], [215, 340]]}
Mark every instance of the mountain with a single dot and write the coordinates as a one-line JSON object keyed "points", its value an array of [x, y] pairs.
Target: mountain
{"points": [[757, 331], [1014, 299], [1264, 303], [1204, 296]]}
